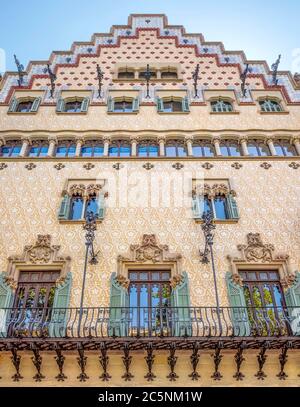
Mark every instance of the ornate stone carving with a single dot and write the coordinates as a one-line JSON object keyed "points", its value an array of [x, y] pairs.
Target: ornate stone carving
{"points": [[3, 166], [59, 166], [256, 250], [266, 165], [123, 281], [258, 254], [237, 165], [93, 189], [77, 189], [207, 166], [89, 166], [30, 166], [213, 190], [149, 252], [41, 254], [176, 280]]}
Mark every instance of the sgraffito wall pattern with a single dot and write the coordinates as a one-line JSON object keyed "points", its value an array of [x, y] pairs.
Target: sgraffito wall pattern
{"points": [[268, 202]]}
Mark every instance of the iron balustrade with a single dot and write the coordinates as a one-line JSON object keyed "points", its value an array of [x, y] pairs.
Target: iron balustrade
{"points": [[139, 322]]}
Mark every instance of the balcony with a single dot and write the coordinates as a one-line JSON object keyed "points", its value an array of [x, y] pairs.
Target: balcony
{"points": [[158, 325]]}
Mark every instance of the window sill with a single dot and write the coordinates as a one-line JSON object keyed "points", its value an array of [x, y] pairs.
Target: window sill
{"points": [[21, 113], [73, 113], [75, 222], [268, 113], [173, 112], [220, 221], [222, 113], [136, 112]]}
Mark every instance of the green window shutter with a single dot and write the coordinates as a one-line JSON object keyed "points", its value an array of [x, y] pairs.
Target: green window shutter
{"points": [[59, 316], [160, 105], [238, 313], [85, 104], [64, 209], [232, 207], [181, 313], [6, 300], [185, 104], [198, 207], [135, 105], [36, 104], [13, 105], [110, 104], [101, 207], [292, 298], [60, 106], [118, 313]]}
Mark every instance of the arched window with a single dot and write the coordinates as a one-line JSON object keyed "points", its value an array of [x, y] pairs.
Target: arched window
{"points": [[258, 148], [119, 148], [142, 73], [65, 148], [24, 107], [221, 106], [169, 73], [268, 105], [203, 148], [284, 148], [73, 105], [175, 148], [11, 148], [148, 148], [92, 148], [230, 148], [76, 207], [125, 73], [38, 148]]}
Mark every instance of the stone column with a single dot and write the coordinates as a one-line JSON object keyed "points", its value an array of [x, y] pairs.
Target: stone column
{"points": [[216, 142], [296, 142], [25, 144], [133, 141], [161, 141], [189, 145], [271, 146], [52, 144], [79, 142], [244, 146], [106, 141]]}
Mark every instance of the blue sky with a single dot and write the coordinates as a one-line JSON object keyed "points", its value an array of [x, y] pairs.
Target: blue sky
{"points": [[262, 28]]}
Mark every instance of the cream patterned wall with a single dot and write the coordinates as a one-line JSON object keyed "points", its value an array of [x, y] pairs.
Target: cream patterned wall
{"points": [[268, 201]]}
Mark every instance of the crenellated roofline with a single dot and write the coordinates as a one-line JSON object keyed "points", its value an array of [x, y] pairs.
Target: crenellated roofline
{"points": [[159, 23]]}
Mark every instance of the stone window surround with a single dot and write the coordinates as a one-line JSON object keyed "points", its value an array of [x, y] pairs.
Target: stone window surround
{"points": [[160, 139]]}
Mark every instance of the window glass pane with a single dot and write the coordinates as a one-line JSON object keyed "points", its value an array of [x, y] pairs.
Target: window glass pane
{"points": [[91, 206], [268, 300], [125, 151], [154, 276], [256, 297], [177, 106], [44, 151], [165, 276], [153, 151], [113, 151], [264, 150], [278, 296], [181, 151], [15, 151], [61, 151], [98, 151], [168, 106], [86, 151], [33, 151], [76, 208], [132, 276], [273, 276], [133, 296], [263, 276], [278, 149], [224, 150], [208, 150], [155, 297], [207, 205], [72, 150], [197, 151], [252, 149], [143, 276], [220, 207], [142, 151], [170, 151], [289, 150], [234, 150], [5, 151]]}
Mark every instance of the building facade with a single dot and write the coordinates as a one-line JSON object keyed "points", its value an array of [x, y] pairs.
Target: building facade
{"points": [[145, 129]]}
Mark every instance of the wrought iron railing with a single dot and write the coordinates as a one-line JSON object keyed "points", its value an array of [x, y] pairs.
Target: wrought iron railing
{"points": [[101, 322]]}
